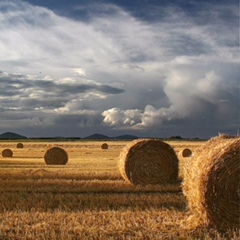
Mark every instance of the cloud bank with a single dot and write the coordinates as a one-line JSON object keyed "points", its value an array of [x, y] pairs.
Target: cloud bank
{"points": [[114, 72]]}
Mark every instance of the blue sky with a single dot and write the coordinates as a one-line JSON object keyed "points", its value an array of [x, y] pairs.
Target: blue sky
{"points": [[146, 67]]}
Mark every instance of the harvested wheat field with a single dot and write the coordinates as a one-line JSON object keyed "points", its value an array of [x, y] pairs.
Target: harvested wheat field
{"points": [[87, 198]]}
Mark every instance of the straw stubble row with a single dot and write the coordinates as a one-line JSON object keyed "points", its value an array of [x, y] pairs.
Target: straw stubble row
{"points": [[53, 155]]}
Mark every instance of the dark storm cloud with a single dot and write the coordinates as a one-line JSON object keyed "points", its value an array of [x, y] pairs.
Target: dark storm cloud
{"points": [[36, 93], [80, 119], [82, 88], [109, 89], [48, 103]]}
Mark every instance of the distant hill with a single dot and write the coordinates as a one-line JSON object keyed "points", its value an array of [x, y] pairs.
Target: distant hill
{"points": [[11, 135], [126, 137], [97, 136]]}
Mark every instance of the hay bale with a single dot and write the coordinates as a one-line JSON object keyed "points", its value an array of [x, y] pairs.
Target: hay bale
{"points": [[148, 161], [212, 184], [7, 153], [186, 152], [56, 156], [104, 146], [19, 145], [40, 173]]}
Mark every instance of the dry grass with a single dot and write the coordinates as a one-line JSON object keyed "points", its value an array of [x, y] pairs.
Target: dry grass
{"points": [[88, 198], [94, 224]]}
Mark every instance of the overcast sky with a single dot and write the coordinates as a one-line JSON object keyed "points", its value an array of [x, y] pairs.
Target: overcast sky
{"points": [[152, 68]]}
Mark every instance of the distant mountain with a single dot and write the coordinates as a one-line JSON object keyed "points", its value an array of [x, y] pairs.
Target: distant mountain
{"points": [[126, 137], [97, 136], [11, 135]]}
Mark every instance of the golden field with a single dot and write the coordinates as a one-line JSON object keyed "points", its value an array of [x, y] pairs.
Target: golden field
{"points": [[87, 198]]}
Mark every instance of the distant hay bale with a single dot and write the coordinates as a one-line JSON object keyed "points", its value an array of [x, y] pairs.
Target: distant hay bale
{"points": [[148, 161], [40, 172], [104, 146], [186, 152], [7, 153], [56, 156], [19, 145], [212, 184]]}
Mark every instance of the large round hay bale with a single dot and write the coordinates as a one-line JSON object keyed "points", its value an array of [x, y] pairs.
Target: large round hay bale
{"points": [[104, 146], [148, 161], [19, 145], [186, 152], [56, 156], [7, 153], [212, 184]]}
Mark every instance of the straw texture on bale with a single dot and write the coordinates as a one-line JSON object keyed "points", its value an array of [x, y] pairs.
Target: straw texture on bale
{"points": [[56, 156], [19, 145], [186, 152], [212, 184], [104, 146], [148, 161], [7, 153]]}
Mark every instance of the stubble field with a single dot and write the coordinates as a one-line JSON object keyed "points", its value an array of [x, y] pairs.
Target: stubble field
{"points": [[87, 198]]}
